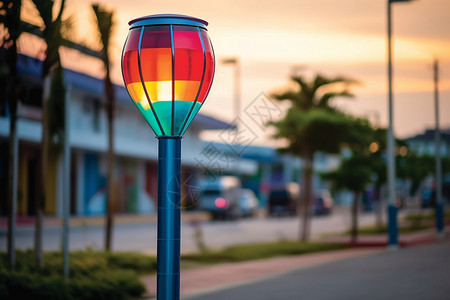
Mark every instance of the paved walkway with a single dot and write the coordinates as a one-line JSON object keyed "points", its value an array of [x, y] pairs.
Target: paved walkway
{"points": [[377, 240], [415, 273], [207, 279]]}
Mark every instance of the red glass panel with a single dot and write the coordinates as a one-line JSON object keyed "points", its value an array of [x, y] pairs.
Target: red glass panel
{"points": [[130, 57], [209, 71], [188, 62], [187, 37], [133, 40], [156, 37], [130, 67]]}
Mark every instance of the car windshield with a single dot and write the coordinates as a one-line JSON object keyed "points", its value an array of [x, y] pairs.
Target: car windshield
{"points": [[211, 192]]}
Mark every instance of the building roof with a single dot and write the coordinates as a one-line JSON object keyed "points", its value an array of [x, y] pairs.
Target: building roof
{"points": [[428, 135], [30, 69]]}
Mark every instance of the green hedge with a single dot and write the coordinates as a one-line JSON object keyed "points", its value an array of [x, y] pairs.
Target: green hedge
{"points": [[113, 285], [93, 275], [83, 263]]}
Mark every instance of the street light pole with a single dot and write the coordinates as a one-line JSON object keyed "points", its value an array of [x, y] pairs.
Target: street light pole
{"points": [[437, 136], [168, 67], [392, 209], [169, 218], [236, 87]]}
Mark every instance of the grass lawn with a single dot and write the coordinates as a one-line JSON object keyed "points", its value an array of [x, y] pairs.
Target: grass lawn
{"points": [[260, 251], [427, 216]]}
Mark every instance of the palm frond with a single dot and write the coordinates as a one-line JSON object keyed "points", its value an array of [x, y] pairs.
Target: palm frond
{"points": [[45, 9], [105, 24], [324, 100]]}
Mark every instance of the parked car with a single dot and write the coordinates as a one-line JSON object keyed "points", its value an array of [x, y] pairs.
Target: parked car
{"points": [[428, 193], [283, 199], [248, 203], [323, 202], [220, 197]]}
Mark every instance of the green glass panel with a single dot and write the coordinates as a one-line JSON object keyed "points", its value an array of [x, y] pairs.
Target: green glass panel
{"points": [[164, 111], [182, 109], [192, 116], [150, 118]]}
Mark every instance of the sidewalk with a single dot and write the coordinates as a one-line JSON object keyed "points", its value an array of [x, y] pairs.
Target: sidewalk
{"points": [[24, 222], [210, 278], [207, 279], [404, 240]]}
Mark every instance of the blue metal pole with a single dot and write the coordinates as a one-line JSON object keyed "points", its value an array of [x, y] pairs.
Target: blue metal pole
{"points": [[168, 251], [437, 136], [392, 209]]}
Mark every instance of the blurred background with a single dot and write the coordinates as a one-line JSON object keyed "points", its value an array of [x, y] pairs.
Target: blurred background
{"points": [[294, 124]]}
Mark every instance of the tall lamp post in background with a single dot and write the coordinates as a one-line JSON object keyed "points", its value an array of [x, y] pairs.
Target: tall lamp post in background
{"points": [[439, 202], [168, 67], [392, 209], [236, 86]]}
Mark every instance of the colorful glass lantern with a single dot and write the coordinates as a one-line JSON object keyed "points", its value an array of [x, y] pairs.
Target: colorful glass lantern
{"points": [[168, 68]]}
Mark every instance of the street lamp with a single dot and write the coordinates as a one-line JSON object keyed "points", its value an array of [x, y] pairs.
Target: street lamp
{"points": [[168, 68], [437, 139], [392, 209], [237, 86]]}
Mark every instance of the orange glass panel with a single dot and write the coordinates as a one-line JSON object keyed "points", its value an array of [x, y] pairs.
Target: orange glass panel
{"points": [[186, 90], [156, 64]]}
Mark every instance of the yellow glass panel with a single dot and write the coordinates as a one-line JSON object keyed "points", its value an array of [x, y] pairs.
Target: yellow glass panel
{"points": [[185, 90], [136, 92], [159, 90]]}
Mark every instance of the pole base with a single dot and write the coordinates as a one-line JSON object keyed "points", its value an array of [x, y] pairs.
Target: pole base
{"points": [[392, 226], [440, 236]]}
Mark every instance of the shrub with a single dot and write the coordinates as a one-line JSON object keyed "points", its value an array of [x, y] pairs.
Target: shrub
{"points": [[93, 275], [83, 263], [114, 285]]}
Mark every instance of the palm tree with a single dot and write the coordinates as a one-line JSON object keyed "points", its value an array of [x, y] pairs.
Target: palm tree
{"points": [[105, 24], [10, 18], [52, 99], [312, 124]]}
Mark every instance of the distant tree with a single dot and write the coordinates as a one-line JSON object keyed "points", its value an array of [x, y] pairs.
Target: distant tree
{"points": [[378, 160], [105, 24], [10, 19], [311, 124], [415, 168], [354, 174]]}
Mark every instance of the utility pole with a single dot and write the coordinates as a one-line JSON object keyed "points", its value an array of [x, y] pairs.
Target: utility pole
{"points": [[437, 139]]}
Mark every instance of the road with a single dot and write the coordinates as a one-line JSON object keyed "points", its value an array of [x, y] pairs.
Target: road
{"points": [[407, 274], [141, 237]]}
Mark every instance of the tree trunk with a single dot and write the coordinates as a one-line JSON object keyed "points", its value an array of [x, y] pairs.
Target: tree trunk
{"points": [[379, 208], [355, 209], [40, 201], [13, 149], [110, 176], [12, 187], [307, 195]]}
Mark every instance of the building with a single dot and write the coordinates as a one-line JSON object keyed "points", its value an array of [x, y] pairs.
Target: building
{"points": [[424, 143], [135, 146]]}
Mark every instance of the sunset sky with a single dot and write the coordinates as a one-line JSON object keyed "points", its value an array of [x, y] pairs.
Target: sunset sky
{"points": [[273, 39]]}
